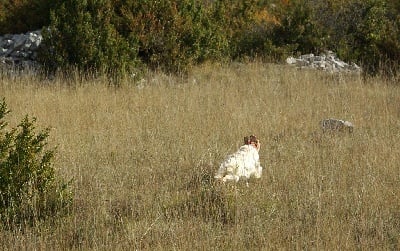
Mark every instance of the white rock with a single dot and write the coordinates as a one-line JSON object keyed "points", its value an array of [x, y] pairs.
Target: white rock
{"points": [[20, 49], [326, 61], [291, 60]]}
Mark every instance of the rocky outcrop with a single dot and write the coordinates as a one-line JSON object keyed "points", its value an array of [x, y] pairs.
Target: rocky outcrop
{"points": [[327, 62], [19, 50]]}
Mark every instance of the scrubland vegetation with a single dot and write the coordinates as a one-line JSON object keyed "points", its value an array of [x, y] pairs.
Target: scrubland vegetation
{"points": [[119, 37], [141, 158], [142, 100]]}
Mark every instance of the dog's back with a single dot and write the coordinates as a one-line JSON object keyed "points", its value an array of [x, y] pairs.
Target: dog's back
{"points": [[242, 164]]}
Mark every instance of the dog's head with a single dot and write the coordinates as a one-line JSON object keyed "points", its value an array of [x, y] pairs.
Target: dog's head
{"points": [[248, 140]]}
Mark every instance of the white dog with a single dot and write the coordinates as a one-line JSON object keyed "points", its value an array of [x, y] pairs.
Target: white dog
{"points": [[244, 164]]}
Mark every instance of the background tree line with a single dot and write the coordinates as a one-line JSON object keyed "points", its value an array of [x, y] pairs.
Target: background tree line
{"points": [[121, 36]]}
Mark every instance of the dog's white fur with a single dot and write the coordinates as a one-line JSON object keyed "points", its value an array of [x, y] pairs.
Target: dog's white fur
{"points": [[243, 164]]}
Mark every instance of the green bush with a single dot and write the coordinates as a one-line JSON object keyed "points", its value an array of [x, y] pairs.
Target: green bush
{"points": [[236, 20], [173, 35], [20, 16], [83, 36], [298, 31], [274, 31], [29, 190], [364, 31], [116, 37]]}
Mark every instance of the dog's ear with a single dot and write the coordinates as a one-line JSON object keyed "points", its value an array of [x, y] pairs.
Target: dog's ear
{"points": [[246, 140]]}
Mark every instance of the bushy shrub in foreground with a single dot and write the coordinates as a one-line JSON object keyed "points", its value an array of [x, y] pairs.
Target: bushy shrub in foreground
{"points": [[29, 190]]}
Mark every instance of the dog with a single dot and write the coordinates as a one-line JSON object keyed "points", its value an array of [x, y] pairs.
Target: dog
{"points": [[243, 164]]}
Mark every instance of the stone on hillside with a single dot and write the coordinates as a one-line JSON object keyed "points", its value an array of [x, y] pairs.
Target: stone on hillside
{"points": [[291, 60], [326, 62], [19, 49]]}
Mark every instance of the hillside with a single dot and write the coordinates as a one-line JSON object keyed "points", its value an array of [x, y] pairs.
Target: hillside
{"points": [[141, 158]]}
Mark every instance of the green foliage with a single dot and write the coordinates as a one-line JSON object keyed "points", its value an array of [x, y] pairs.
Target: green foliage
{"points": [[20, 16], [298, 30], [364, 31], [82, 35], [29, 190], [238, 21], [173, 35], [115, 37]]}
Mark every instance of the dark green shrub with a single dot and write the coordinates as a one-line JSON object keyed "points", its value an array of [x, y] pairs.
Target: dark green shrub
{"points": [[255, 33], [29, 190], [237, 22], [358, 31], [364, 31], [114, 37], [298, 30], [173, 35], [83, 35], [20, 16]]}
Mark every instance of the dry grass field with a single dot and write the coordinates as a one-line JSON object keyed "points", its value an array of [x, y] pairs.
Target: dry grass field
{"points": [[142, 158]]}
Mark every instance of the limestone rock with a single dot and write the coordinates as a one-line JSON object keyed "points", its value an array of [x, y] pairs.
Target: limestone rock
{"points": [[19, 50], [327, 61]]}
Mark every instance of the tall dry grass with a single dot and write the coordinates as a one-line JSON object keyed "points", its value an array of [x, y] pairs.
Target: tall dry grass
{"points": [[142, 159]]}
